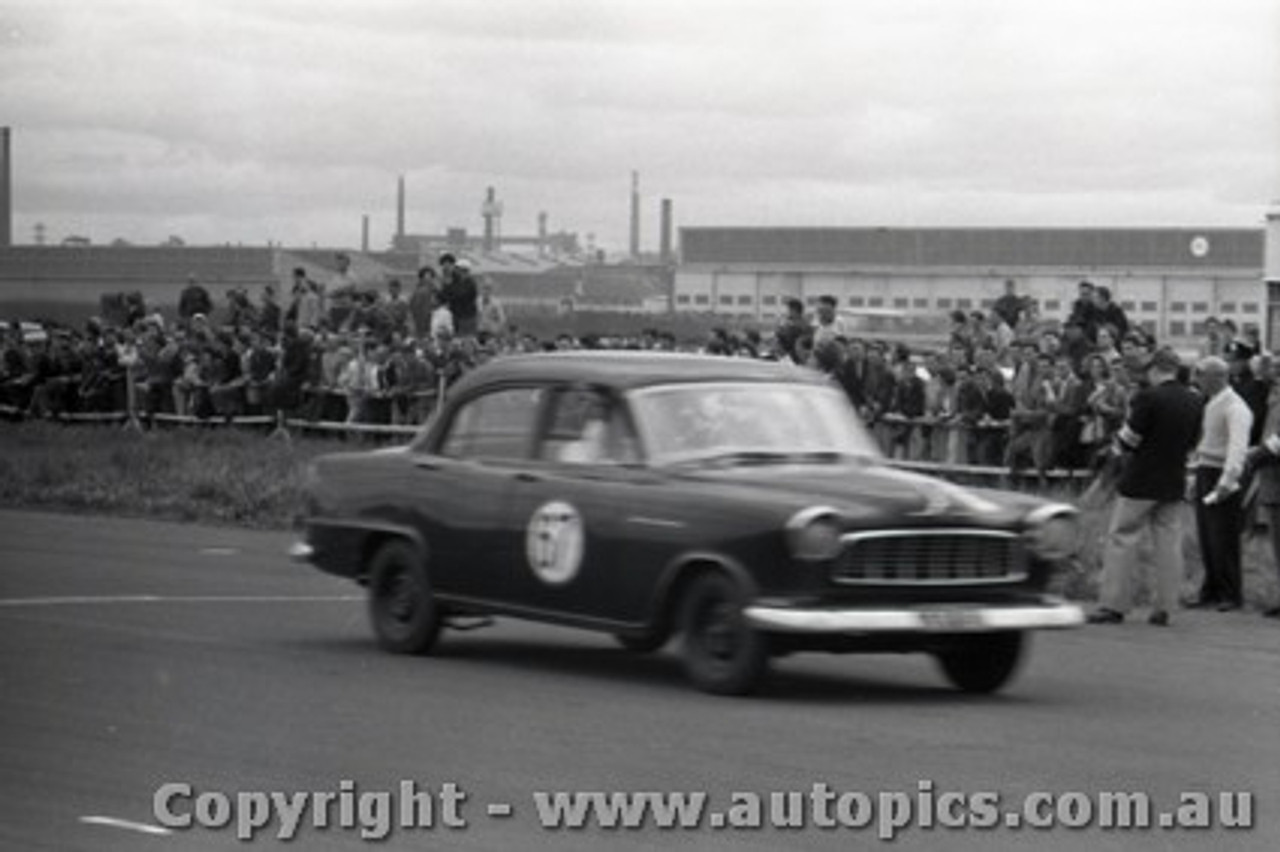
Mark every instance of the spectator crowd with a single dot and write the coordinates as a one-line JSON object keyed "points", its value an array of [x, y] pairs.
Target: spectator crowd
{"points": [[1006, 388]]}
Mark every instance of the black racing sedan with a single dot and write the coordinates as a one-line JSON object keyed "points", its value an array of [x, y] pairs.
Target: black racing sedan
{"points": [[738, 505]]}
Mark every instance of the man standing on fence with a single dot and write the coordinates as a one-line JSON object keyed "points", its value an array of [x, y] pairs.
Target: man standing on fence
{"points": [[1219, 463], [1162, 427]]}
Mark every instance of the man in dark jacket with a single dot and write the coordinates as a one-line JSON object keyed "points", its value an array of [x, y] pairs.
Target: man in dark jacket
{"points": [[1161, 430], [460, 294]]}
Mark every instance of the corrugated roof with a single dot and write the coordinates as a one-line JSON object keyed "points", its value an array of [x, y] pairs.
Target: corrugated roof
{"points": [[976, 247]]}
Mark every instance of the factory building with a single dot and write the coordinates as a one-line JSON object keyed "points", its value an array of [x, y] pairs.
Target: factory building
{"points": [[1168, 280]]}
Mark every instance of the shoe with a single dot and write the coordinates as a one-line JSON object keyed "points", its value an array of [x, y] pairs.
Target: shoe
{"points": [[1105, 616], [1159, 618], [1228, 606], [1274, 612]]}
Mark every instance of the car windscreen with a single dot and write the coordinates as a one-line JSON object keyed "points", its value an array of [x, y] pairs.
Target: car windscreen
{"points": [[687, 422]]}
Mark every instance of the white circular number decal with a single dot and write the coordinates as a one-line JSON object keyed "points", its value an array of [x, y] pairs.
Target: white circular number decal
{"points": [[554, 542], [1199, 246]]}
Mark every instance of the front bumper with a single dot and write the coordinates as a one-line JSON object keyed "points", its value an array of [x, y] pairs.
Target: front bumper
{"points": [[1051, 613]]}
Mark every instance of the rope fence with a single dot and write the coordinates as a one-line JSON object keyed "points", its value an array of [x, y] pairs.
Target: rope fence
{"points": [[283, 426]]}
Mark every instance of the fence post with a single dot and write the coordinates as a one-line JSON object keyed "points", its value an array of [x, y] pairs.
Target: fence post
{"points": [[281, 432], [131, 423]]}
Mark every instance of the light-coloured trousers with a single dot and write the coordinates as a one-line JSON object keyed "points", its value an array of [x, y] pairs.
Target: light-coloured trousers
{"points": [[1130, 518]]}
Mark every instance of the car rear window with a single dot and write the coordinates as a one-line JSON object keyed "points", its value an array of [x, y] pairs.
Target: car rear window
{"points": [[497, 425]]}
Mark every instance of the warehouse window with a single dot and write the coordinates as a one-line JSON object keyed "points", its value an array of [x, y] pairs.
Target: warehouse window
{"points": [[987, 303], [726, 300], [1129, 306], [856, 301], [702, 299], [964, 304], [875, 302], [1178, 328], [920, 303], [1150, 307], [1178, 307], [682, 299], [769, 300], [901, 302], [944, 304], [1227, 308], [1149, 326], [1250, 307], [1052, 305], [1199, 307], [1198, 328], [744, 300]]}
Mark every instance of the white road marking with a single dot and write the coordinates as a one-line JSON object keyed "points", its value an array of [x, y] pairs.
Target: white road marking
{"points": [[83, 600], [219, 551], [126, 824]]}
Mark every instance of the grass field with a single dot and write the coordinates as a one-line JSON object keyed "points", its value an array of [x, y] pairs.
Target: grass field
{"points": [[244, 478]]}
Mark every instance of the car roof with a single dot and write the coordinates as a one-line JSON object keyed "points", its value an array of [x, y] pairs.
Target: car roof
{"points": [[627, 369]]}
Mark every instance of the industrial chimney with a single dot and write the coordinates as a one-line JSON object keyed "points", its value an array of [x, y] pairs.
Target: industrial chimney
{"points": [[400, 211], [6, 190], [542, 233], [635, 215], [664, 246], [491, 212]]}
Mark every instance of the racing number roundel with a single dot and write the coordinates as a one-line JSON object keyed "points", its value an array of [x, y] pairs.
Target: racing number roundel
{"points": [[554, 542]]}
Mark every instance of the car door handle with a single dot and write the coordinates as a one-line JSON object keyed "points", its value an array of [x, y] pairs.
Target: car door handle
{"points": [[526, 476], [426, 464]]}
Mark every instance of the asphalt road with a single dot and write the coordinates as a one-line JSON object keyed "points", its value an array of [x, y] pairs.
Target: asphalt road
{"points": [[135, 654]]}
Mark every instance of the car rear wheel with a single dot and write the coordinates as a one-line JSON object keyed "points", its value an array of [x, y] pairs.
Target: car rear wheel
{"points": [[722, 653], [984, 663], [405, 616]]}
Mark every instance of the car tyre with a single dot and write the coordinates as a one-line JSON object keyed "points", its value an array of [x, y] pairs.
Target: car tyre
{"points": [[983, 664], [722, 653], [405, 616]]}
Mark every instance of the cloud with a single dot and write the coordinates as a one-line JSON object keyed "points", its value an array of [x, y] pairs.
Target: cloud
{"points": [[244, 120]]}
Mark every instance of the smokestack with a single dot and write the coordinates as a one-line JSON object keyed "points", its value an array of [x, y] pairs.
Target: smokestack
{"points": [[6, 190], [364, 233], [1271, 249], [491, 212], [542, 233], [664, 248], [400, 208], [635, 215]]}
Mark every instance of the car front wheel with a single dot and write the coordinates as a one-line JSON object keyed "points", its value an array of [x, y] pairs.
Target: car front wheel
{"points": [[722, 653], [982, 664], [405, 616]]}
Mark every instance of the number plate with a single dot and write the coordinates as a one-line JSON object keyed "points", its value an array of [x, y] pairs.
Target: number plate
{"points": [[945, 620]]}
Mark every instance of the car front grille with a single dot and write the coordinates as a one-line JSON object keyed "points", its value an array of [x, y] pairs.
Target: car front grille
{"points": [[930, 557]]}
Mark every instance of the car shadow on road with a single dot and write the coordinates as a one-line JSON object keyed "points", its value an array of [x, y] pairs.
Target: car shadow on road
{"points": [[604, 662]]}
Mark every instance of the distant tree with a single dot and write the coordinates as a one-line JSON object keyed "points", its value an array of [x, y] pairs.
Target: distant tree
{"points": [[120, 242], [174, 241]]}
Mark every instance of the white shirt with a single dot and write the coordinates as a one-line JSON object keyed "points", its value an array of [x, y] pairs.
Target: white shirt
{"points": [[1224, 436]]}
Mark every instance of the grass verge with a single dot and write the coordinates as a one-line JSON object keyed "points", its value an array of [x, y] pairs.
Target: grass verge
{"points": [[224, 476]]}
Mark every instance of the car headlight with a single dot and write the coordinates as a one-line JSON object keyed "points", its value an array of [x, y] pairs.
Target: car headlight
{"points": [[1053, 532], [813, 534]]}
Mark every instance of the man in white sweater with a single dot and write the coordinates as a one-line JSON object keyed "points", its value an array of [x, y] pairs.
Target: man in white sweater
{"points": [[1219, 464]]}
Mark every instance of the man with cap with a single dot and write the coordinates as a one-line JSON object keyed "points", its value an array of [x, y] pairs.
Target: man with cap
{"points": [[1219, 463], [1160, 431]]}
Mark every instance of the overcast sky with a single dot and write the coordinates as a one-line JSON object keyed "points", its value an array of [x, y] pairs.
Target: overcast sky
{"points": [[286, 120]]}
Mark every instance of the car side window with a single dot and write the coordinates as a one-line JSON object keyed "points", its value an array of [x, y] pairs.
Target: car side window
{"points": [[587, 427], [497, 426]]}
